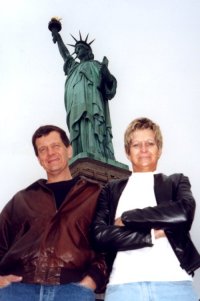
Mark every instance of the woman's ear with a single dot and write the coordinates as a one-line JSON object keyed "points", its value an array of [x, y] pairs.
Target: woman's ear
{"points": [[159, 153], [127, 155]]}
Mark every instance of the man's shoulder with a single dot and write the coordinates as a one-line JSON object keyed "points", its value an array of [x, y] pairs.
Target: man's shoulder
{"points": [[83, 180], [23, 194], [33, 186]]}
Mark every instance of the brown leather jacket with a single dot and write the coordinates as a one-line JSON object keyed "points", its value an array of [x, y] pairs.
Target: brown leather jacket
{"points": [[49, 246]]}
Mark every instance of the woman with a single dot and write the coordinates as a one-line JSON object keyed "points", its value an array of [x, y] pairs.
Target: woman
{"points": [[143, 224]]}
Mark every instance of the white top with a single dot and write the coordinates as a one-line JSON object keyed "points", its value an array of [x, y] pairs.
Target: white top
{"points": [[156, 263]]}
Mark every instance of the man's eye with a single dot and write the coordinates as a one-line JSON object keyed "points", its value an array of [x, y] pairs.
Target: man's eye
{"points": [[56, 146], [42, 150]]}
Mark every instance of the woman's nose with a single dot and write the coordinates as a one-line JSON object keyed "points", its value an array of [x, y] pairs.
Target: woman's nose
{"points": [[143, 147]]}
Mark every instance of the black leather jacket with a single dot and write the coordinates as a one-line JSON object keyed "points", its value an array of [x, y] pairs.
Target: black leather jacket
{"points": [[174, 214]]}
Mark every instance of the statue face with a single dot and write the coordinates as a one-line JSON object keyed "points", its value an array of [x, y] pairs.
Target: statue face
{"points": [[82, 51]]}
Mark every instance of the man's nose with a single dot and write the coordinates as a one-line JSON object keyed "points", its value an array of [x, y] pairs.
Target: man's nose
{"points": [[50, 151]]}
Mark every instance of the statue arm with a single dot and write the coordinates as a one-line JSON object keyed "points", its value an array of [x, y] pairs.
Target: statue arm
{"points": [[106, 75], [108, 81], [64, 52]]}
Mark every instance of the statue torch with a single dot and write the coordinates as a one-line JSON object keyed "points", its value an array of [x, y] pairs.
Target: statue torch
{"points": [[55, 26]]}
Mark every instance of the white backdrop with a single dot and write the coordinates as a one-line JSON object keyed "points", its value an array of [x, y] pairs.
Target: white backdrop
{"points": [[153, 49]]}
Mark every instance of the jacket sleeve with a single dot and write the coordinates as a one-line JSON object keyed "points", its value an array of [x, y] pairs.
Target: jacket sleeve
{"points": [[174, 215], [98, 271], [5, 230], [108, 237]]}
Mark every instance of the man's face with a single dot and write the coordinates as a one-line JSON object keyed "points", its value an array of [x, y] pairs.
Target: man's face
{"points": [[144, 152], [53, 155]]}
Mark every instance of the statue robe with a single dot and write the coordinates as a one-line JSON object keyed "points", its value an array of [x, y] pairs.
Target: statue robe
{"points": [[86, 103]]}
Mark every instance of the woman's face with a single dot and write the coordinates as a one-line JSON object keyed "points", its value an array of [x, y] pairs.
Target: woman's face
{"points": [[144, 152]]}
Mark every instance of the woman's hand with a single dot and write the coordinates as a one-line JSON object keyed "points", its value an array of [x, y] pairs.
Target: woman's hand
{"points": [[118, 222], [159, 233]]}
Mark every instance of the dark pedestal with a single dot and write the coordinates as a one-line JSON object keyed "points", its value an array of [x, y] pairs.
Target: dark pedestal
{"points": [[101, 170]]}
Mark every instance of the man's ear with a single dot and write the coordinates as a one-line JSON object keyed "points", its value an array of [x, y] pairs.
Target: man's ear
{"points": [[69, 152], [40, 162]]}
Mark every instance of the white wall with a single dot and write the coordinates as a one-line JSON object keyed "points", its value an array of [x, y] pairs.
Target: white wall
{"points": [[154, 52]]}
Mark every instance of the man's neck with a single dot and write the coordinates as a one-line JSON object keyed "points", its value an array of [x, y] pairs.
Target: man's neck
{"points": [[59, 178]]}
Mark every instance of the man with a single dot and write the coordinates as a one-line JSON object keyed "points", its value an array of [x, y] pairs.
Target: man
{"points": [[45, 252], [89, 86]]}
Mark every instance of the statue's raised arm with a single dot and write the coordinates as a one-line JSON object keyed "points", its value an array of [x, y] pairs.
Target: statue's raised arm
{"points": [[89, 85], [55, 26]]}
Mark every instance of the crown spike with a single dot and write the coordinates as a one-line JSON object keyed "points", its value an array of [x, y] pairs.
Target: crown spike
{"points": [[80, 36], [71, 45], [91, 42], [74, 38], [86, 38]]}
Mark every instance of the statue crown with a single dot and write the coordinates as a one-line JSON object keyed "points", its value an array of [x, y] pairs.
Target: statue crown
{"points": [[81, 41]]}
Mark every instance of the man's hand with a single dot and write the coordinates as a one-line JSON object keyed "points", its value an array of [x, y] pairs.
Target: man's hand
{"points": [[6, 280], [87, 281]]}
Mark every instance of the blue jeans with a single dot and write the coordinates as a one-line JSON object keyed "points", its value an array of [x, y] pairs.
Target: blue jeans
{"points": [[37, 292], [152, 291]]}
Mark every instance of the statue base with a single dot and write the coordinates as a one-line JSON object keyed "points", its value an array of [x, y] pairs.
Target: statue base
{"points": [[100, 169]]}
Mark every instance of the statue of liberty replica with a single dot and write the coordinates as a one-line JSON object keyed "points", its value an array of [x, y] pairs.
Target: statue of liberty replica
{"points": [[88, 87]]}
